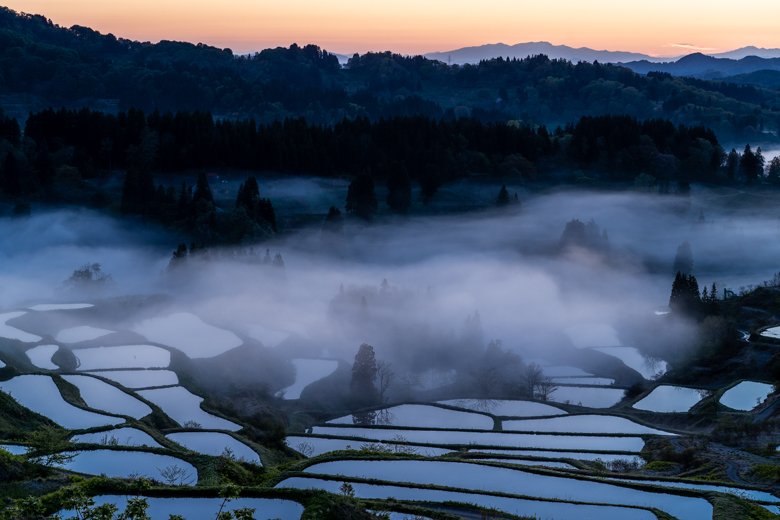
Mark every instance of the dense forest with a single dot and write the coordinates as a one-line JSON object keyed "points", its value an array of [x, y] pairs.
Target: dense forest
{"points": [[42, 65]]}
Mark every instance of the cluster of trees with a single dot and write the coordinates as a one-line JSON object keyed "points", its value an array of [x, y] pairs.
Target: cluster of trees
{"points": [[194, 212], [586, 235], [78, 66], [199, 252]]}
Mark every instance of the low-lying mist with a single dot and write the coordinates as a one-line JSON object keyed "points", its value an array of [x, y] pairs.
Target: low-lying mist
{"points": [[408, 285]]}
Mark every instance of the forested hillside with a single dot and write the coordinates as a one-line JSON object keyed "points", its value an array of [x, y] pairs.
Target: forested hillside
{"points": [[45, 65]]}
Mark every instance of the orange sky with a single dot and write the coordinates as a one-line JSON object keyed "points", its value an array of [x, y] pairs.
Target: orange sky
{"points": [[414, 27]]}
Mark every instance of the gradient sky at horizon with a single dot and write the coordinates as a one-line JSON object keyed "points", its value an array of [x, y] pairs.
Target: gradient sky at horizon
{"points": [[660, 28]]}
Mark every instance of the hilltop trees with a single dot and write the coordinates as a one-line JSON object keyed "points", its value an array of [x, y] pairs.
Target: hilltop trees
{"points": [[589, 236]]}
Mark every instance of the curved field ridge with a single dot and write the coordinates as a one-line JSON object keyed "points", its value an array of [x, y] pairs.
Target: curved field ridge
{"points": [[182, 407], [595, 381], [313, 446], [40, 356], [268, 337], [746, 395], [140, 378], [593, 335], [522, 462], [506, 408], [213, 443], [207, 508], [514, 440], [669, 399], [7, 331], [123, 464], [308, 371], [581, 424], [126, 356], [82, 333], [41, 395], [123, 437], [515, 506], [480, 477], [425, 416], [189, 334], [60, 306], [102, 396]]}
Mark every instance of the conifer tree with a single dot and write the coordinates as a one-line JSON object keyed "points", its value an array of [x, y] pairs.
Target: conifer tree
{"points": [[683, 260], [503, 197], [364, 371], [361, 197], [11, 182], [399, 188]]}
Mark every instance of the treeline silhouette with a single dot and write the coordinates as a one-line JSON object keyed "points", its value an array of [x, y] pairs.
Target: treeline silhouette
{"points": [[431, 151]]}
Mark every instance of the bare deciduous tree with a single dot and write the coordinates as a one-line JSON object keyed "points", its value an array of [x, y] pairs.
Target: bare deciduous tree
{"points": [[385, 377], [545, 387], [532, 376], [486, 380]]}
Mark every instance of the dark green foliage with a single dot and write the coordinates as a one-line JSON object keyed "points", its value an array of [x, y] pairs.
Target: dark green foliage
{"points": [[683, 260], [364, 374], [634, 390], [258, 209], [750, 164], [685, 298], [361, 197]]}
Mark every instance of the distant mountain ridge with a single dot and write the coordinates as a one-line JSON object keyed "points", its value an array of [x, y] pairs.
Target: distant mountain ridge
{"points": [[706, 67], [521, 50]]}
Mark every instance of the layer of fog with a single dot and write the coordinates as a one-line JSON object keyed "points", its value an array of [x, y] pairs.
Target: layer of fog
{"points": [[505, 264]]}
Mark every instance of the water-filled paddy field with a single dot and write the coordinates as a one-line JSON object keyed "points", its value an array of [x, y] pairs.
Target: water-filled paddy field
{"points": [[184, 407], [126, 464], [668, 399], [425, 416], [501, 407], [207, 508], [746, 395]]}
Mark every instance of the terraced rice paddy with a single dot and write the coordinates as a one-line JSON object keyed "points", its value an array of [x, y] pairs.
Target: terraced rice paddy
{"points": [[516, 506], [451, 437], [750, 494], [189, 334], [595, 381], [123, 464], [581, 424], [506, 408], [424, 416], [184, 408], [82, 333], [577, 455], [543, 463], [588, 396], [746, 395], [213, 443], [40, 356], [207, 508], [593, 335], [773, 332], [122, 437], [134, 379], [669, 399], [41, 395], [314, 446], [7, 331], [481, 477], [648, 368], [102, 396], [126, 356], [308, 371], [60, 306], [564, 371]]}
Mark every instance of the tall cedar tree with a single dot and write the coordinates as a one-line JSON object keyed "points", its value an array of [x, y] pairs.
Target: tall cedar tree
{"points": [[361, 197], [503, 197], [363, 376], [257, 208], [202, 190], [749, 165], [685, 298], [683, 260]]}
